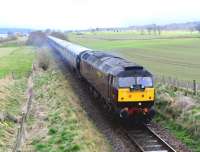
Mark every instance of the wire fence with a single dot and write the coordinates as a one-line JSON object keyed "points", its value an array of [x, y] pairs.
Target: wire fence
{"points": [[192, 85], [20, 138]]}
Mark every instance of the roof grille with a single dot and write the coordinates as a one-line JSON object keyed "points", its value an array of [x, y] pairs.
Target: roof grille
{"points": [[133, 68]]}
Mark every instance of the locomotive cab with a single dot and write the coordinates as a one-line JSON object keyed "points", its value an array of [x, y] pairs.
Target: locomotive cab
{"points": [[134, 93], [135, 89]]}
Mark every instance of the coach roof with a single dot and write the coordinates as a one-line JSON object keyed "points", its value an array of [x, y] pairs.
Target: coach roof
{"points": [[77, 49]]}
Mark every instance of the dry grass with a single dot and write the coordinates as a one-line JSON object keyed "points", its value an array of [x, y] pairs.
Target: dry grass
{"points": [[3, 91], [12, 97]]}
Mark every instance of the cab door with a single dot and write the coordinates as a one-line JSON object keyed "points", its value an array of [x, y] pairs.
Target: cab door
{"points": [[110, 86]]}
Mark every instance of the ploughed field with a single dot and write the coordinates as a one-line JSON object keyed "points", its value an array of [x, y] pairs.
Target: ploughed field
{"points": [[174, 54]]}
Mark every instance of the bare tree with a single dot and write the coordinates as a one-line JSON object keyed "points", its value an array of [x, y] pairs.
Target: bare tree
{"points": [[159, 30], [154, 28], [149, 30], [198, 28], [37, 38], [47, 31], [142, 31]]}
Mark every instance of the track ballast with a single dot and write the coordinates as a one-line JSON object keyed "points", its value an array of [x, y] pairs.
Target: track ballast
{"points": [[147, 140]]}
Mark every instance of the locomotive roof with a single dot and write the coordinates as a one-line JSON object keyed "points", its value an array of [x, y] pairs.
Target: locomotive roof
{"points": [[77, 49], [113, 61], [114, 64]]}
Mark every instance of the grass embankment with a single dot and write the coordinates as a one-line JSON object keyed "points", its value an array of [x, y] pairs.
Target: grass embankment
{"points": [[12, 91], [12, 97], [180, 114], [176, 56], [58, 122]]}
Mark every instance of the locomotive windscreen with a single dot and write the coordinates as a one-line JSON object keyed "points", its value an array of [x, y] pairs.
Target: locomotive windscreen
{"points": [[131, 81]]}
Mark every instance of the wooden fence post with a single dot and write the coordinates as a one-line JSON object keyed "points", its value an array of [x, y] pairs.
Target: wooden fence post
{"points": [[17, 142], [12, 75], [194, 87]]}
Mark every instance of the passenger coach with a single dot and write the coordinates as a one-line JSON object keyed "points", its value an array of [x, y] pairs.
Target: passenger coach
{"points": [[69, 51]]}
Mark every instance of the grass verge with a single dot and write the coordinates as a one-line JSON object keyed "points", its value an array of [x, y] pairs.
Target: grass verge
{"points": [[179, 132], [58, 122], [179, 114]]}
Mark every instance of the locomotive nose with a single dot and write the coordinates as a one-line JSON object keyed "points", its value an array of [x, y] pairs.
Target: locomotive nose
{"points": [[144, 95]]}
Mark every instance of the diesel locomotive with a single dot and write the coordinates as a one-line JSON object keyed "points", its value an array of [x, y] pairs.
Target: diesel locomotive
{"points": [[126, 87]]}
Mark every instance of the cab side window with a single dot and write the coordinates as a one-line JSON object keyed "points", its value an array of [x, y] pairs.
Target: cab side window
{"points": [[85, 56], [114, 82]]}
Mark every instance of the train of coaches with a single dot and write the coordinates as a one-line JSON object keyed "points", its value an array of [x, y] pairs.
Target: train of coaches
{"points": [[126, 88]]}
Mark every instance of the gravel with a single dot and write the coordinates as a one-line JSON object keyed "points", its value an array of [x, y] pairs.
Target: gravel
{"points": [[169, 138]]}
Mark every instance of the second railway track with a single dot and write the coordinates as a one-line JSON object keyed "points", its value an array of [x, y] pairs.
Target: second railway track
{"points": [[146, 140]]}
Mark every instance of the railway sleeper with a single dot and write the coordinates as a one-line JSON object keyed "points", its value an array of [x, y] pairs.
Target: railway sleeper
{"points": [[153, 148], [150, 146], [156, 151]]}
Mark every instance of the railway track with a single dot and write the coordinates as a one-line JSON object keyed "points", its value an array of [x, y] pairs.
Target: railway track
{"points": [[147, 140]]}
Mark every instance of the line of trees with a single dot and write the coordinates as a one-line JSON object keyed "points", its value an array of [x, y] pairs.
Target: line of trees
{"points": [[39, 38], [153, 29]]}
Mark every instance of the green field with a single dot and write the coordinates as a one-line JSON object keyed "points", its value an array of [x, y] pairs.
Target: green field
{"points": [[16, 60], [175, 54]]}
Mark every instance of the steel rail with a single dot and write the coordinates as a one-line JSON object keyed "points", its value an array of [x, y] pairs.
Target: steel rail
{"points": [[147, 140]]}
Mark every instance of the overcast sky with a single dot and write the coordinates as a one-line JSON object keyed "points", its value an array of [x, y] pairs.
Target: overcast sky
{"points": [[83, 14]]}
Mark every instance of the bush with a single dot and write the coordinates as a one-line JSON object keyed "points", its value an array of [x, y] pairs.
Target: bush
{"points": [[43, 59], [10, 38], [37, 38]]}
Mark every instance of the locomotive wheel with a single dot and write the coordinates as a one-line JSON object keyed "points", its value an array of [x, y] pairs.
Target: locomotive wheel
{"points": [[150, 116]]}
